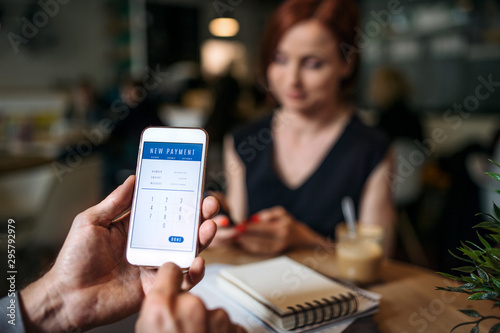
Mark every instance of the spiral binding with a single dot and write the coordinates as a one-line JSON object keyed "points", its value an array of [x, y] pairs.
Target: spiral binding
{"points": [[337, 307]]}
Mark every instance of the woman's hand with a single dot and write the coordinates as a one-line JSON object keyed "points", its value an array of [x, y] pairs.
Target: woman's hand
{"points": [[273, 231]]}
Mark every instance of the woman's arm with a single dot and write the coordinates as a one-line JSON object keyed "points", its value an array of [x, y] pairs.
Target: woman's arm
{"points": [[236, 189], [377, 204]]}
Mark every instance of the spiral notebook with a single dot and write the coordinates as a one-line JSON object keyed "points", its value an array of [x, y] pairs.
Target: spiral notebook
{"points": [[291, 296]]}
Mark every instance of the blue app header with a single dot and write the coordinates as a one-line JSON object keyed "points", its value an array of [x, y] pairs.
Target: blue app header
{"points": [[172, 151]]}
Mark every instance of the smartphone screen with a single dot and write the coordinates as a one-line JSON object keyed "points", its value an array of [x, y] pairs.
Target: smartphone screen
{"points": [[166, 206]]}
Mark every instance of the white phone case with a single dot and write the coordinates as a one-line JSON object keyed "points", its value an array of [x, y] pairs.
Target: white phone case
{"points": [[166, 207]]}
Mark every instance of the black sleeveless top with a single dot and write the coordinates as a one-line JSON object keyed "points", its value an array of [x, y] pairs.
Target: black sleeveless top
{"points": [[317, 201]]}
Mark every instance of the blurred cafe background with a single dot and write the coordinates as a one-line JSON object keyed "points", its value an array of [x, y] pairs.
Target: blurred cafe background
{"points": [[70, 69]]}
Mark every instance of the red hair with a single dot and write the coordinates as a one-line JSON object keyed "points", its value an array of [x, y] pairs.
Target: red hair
{"points": [[340, 17]]}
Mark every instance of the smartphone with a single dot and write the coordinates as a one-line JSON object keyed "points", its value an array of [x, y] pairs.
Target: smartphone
{"points": [[166, 207]]}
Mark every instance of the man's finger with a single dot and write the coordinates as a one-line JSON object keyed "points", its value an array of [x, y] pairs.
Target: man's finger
{"points": [[218, 321], [206, 233], [115, 204], [195, 274], [168, 281], [221, 198], [209, 208]]}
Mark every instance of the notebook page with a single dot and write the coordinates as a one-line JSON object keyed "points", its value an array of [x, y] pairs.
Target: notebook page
{"points": [[282, 282]]}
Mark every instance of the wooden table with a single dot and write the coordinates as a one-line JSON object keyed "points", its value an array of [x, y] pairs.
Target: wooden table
{"points": [[409, 302]]}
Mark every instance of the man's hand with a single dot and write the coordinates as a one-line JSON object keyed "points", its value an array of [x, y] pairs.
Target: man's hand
{"points": [[91, 282], [169, 309]]}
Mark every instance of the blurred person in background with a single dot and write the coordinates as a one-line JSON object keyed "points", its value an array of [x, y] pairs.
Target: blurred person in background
{"points": [[390, 95], [477, 165], [135, 111], [289, 171], [224, 114], [86, 109]]}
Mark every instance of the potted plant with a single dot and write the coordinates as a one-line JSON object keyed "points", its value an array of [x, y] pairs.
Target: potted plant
{"points": [[480, 277]]}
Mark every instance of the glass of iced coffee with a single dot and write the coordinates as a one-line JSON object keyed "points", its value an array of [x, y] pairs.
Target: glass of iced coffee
{"points": [[359, 255]]}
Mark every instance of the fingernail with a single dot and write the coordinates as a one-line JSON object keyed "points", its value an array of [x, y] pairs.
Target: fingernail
{"points": [[254, 218], [241, 228], [223, 222]]}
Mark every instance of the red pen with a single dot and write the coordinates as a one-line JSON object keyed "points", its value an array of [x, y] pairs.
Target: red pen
{"points": [[254, 218], [243, 226], [240, 228]]}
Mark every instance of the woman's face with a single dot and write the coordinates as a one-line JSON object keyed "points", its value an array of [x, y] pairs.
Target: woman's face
{"points": [[307, 67]]}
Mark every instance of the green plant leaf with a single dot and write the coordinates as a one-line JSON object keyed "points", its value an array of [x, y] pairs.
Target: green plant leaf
{"points": [[475, 329], [481, 296], [467, 279], [495, 251], [482, 274], [449, 276], [465, 269], [495, 328], [474, 245], [495, 265], [493, 175], [487, 245], [498, 191], [470, 313], [467, 286], [496, 210], [455, 290], [490, 264], [462, 258], [484, 290], [484, 224], [488, 215], [476, 278], [495, 228], [498, 165], [491, 295], [474, 255], [476, 296], [496, 282]]}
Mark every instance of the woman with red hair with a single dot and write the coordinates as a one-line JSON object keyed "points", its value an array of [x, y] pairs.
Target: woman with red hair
{"points": [[289, 171]]}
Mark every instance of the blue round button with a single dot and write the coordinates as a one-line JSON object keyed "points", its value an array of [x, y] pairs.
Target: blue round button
{"points": [[176, 239]]}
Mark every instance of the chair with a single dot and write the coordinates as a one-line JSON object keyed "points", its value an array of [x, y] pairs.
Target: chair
{"points": [[22, 197], [477, 165], [408, 187], [43, 205], [74, 193]]}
